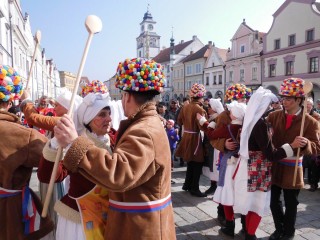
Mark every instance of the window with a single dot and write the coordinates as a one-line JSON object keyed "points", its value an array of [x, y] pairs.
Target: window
{"points": [[214, 80], [289, 68], [310, 35], [292, 40], [231, 76], [207, 80], [241, 75], [189, 70], [139, 53], [198, 68], [168, 68], [181, 73], [272, 70], [276, 44], [220, 79], [314, 64], [242, 49], [254, 73]]}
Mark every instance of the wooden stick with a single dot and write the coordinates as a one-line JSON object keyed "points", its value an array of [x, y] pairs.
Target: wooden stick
{"points": [[93, 25], [37, 38], [307, 88]]}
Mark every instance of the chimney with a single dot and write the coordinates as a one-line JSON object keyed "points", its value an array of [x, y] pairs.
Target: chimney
{"points": [[194, 37], [210, 44], [182, 41], [191, 52]]}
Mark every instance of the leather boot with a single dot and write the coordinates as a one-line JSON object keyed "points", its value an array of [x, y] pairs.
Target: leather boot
{"points": [[212, 188], [228, 229], [250, 237]]}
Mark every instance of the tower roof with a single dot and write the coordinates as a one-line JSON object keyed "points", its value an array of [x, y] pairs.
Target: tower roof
{"points": [[147, 16]]}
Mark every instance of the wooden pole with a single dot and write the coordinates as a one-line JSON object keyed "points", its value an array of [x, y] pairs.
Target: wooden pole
{"points": [[93, 25]]}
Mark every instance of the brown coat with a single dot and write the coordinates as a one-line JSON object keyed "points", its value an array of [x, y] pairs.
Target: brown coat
{"points": [[139, 170], [282, 175], [222, 119], [21, 149], [190, 147]]}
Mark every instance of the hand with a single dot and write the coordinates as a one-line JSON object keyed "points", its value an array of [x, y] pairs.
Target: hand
{"points": [[25, 94], [230, 145], [199, 116], [299, 142], [65, 131]]}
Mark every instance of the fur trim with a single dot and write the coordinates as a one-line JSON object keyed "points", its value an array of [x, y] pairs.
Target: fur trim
{"points": [[67, 212], [76, 153], [49, 153], [288, 149]]}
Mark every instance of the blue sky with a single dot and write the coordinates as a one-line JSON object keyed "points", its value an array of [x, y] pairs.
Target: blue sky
{"points": [[61, 23]]}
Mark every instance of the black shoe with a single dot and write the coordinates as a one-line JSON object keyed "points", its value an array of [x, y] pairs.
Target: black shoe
{"points": [[228, 229], [250, 237], [185, 187], [173, 182], [313, 188], [198, 194], [222, 220], [211, 190], [276, 235], [287, 237]]}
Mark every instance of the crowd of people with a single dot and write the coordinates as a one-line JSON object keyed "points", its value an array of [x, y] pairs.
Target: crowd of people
{"points": [[113, 179]]}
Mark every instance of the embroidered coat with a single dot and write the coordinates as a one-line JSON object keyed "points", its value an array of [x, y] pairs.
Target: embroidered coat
{"points": [[138, 172], [282, 175], [21, 150], [190, 147], [222, 119]]}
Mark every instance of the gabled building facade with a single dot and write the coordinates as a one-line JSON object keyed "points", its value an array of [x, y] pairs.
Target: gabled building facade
{"points": [[292, 45], [243, 60], [214, 72], [168, 58]]}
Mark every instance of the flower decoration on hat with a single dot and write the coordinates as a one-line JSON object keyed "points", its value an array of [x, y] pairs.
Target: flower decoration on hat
{"points": [[236, 92], [10, 84], [197, 91], [140, 75], [95, 86], [248, 92], [292, 87]]}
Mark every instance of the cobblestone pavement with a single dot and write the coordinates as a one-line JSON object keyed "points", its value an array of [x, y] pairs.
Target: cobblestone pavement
{"points": [[196, 218]]}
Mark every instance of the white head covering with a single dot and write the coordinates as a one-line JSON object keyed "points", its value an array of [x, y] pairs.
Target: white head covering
{"points": [[91, 105], [216, 105], [237, 109], [64, 99], [257, 105]]}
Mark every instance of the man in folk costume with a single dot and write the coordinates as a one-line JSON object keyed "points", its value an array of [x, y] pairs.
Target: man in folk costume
{"points": [[21, 150], [138, 173], [240, 93], [190, 148], [252, 180], [286, 126]]}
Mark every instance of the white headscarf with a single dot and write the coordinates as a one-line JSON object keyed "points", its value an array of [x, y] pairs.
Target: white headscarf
{"points": [[237, 109], [91, 105], [216, 105], [257, 105], [64, 99]]}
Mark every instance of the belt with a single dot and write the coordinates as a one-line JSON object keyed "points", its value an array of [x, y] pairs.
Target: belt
{"points": [[291, 161], [4, 193], [187, 131], [140, 207]]}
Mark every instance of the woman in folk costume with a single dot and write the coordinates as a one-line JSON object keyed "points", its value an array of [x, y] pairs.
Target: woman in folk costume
{"points": [[33, 117], [190, 147], [224, 193], [20, 152], [252, 181], [211, 171], [82, 212]]}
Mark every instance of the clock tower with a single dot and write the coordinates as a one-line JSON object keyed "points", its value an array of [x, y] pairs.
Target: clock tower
{"points": [[148, 42]]}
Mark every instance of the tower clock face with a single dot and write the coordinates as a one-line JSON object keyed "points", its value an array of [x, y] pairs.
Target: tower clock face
{"points": [[150, 27]]}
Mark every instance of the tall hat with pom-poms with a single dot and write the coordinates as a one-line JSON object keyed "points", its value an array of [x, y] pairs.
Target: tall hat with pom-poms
{"points": [[292, 87], [236, 92], [140, 75], [10, 84], [197, 91], [95, 86]]}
